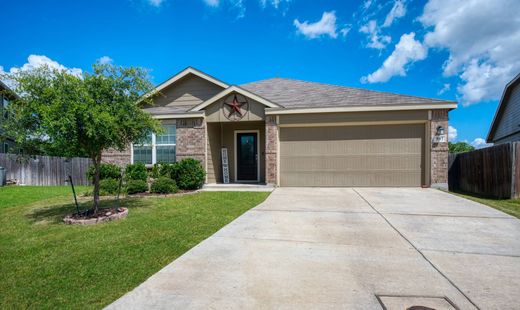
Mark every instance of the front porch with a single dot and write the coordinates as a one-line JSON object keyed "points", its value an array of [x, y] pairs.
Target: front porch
{"points": [[245, 145]]}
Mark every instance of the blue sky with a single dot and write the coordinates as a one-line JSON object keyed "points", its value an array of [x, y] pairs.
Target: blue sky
{"points": [[452, 50]]}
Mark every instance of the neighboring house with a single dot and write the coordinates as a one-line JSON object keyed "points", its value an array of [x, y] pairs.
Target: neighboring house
{"points": [[294, 133], [6, 95], [506, 123]]}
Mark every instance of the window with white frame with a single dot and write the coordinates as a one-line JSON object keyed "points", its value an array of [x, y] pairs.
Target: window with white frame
{"points": [[5, 103], [157, 148]]}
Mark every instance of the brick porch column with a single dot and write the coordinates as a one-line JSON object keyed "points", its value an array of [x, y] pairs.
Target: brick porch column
{"points": [[191, 139], [439, 151], [271, 150]]}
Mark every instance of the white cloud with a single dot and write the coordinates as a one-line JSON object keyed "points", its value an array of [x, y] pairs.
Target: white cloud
{"points": [[484, 81], [325, 26], [156, 3], [36, 61], [397, 11], [452, 133], [407, 51], [213, 3], [376, 40], [105, 60], [483, 40], [479, 143], [273, 3], [367, 4], [344, 31], [446, 87]]}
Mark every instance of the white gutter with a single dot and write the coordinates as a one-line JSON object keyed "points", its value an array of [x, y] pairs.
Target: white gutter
{"points": [[278, 111], [179, 115]]}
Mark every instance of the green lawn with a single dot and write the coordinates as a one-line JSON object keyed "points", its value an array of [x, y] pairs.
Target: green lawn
{"points": [[509, 206], [45, 264]]}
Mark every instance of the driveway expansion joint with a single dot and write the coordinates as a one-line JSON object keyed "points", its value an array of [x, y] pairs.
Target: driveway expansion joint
{"points": [[418, 250], [471, 253], [310, 242], [452, 215]]}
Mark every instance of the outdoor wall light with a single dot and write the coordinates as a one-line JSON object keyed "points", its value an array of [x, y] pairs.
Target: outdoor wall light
{"points": [[440, 130]]}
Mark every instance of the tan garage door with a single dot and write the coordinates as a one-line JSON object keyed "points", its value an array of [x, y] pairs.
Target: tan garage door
{"points": [[382, 155]]}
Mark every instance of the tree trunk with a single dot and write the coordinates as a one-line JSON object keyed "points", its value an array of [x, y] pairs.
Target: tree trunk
{"points": [[97, 171]]}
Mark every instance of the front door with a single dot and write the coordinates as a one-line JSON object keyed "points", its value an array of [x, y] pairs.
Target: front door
{"points": [[247, 156]]}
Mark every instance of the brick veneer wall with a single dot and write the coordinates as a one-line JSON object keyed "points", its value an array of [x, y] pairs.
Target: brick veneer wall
{"points": [[271, 149], [116, 157], [439, 151], [191, 139]]}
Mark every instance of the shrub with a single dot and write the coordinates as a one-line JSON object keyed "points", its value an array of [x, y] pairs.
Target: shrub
{"points": [[136, 172], [108, 187], [167, 170], [106, 171], [164, 185], [136, 186], [154, 173], [189, 174]]}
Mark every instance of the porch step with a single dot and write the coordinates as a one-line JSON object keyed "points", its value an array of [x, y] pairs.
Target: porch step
{"points": [[237, 188]]}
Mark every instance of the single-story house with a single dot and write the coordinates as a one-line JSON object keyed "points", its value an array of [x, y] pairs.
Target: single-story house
{"points": [[295, 133], [506, 123]]}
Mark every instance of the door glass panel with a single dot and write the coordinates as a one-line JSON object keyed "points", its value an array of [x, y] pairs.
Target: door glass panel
{"points": [[247, 151]]}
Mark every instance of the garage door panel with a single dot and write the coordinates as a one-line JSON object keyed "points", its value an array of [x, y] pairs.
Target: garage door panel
{"points": [[351, 162], [361, 147], [386, 155], [353, 178]]}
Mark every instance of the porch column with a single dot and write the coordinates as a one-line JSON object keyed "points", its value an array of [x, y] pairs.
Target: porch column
{"points": [[271, 150], [191, 139], [439, 151]]}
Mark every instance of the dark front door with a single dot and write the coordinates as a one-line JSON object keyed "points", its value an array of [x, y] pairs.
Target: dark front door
{"points": [[247, 156]]}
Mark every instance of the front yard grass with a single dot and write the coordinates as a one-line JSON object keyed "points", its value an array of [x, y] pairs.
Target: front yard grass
{"points": [[45, 264], [509, 206]]}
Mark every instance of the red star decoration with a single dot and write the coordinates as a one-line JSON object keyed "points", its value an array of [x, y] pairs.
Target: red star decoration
{"points": [[235, 106]]}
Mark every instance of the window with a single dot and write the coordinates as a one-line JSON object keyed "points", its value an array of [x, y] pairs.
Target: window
{"points": [[157, 148], [6, 148], [4, 107]]}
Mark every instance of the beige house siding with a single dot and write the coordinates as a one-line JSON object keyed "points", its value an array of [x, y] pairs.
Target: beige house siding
{"points": [[335, 119], [189, 91], [215, 112], [223, 135]]}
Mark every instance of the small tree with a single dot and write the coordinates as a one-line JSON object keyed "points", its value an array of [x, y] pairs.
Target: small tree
{"points": [[460, 147], [81, 114]]}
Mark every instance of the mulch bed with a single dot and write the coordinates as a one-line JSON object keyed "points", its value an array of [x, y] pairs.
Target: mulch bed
{"points": [[103, 215]]}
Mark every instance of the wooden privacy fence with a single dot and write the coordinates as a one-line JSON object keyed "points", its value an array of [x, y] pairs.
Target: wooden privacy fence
{"points": [[492, 171], [45, 170]]}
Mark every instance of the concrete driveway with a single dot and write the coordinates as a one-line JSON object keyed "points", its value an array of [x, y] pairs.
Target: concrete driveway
{"points": [[349, 248]]}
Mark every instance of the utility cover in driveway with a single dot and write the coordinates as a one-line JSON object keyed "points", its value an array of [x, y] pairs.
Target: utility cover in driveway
{"points": [[415, 303], [376, 155]]}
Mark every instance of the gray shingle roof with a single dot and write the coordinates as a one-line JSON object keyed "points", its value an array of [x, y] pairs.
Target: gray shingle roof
{"points": [[301, 94]]}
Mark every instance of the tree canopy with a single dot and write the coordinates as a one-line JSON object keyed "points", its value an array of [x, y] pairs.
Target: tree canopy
{"points": [[80, 115], [460, 147]]}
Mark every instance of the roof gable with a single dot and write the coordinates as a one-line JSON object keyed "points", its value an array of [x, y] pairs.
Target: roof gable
{"points": [[235, 89], [189, 71]]}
